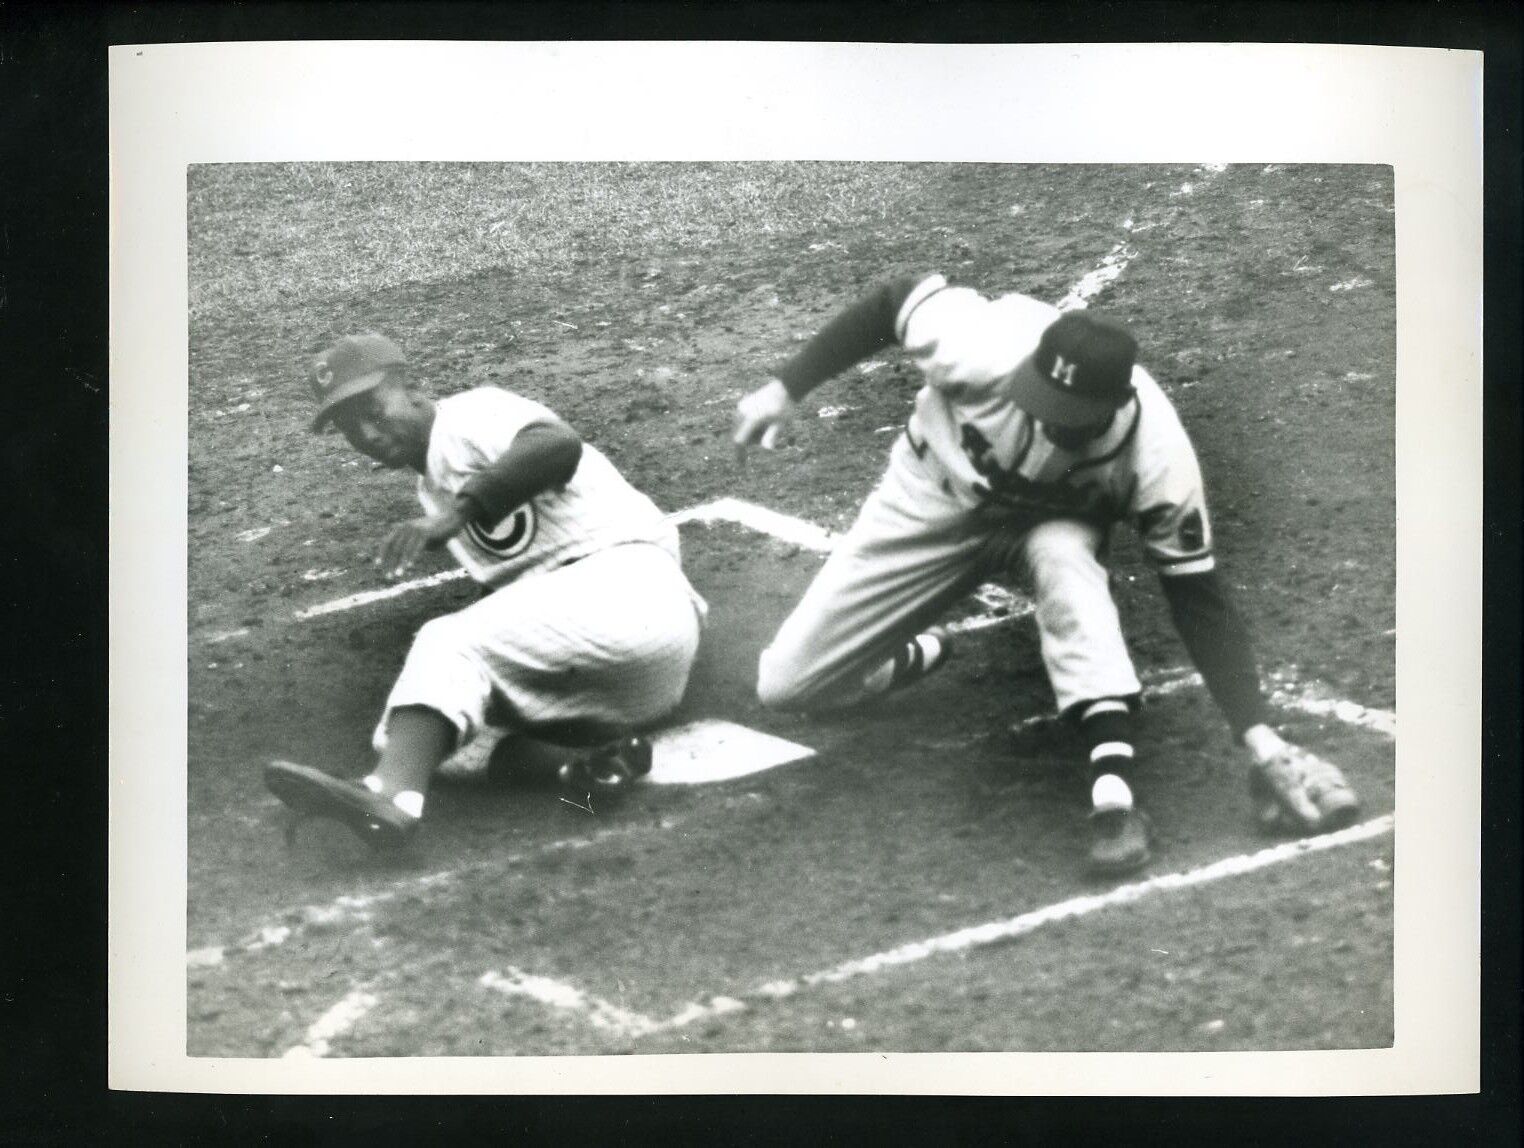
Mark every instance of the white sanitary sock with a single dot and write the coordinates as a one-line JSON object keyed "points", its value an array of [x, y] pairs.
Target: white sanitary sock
{"points": [[410, 801]]}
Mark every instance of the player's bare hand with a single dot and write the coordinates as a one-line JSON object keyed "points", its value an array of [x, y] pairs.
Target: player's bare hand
{"points": [[762, 416], [407, 541]]}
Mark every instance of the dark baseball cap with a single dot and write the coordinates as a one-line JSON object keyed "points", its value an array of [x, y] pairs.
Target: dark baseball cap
{"points": [[1080, 372], [350, 367]]}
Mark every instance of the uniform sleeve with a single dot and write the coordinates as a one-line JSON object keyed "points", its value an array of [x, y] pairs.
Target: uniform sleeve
{"points": [[864, 328], [1168, 502], [541, 457], [1219, 644], [472, 431]]}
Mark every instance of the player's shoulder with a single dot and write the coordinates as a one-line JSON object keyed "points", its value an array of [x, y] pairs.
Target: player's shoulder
{"points": [[1159, 425], [946, 306], [492, 402], [1151, 396], [483, 396], [1025, 311]]}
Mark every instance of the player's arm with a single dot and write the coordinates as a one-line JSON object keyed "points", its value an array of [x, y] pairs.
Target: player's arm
{"points": [[1177, 537], [1218, 640], [542, 456], [1169, 508], [1219, 644], [864, 328], [1291, 787]]}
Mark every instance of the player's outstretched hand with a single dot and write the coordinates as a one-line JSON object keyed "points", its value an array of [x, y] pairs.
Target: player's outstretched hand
{"points": [[1294, 790], [762, 415], [407, 542]]}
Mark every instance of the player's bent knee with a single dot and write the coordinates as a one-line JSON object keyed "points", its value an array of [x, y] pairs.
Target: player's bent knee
{"points": [[1058, 551], [779, 684], [1057, 618]]}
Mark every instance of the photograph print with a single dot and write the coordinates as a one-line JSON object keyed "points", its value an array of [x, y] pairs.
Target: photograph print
{"points": [[790, 607]]}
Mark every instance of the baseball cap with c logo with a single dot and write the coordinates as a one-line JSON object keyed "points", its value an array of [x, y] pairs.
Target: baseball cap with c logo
{"points": [[350, 367]]}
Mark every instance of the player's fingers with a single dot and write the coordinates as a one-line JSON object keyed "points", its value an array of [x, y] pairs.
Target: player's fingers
{"points": [[394, 551], [409, 548], [771, 435], [746, 430]]}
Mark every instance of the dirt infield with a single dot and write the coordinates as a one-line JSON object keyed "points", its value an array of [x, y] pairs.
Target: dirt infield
{"points": [[1264, 300]]}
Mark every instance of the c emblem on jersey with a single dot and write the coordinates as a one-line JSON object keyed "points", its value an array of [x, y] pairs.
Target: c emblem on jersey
{"points": [[508, 538]]}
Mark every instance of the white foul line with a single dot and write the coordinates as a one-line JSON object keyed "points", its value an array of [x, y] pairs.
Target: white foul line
{"points": [[1318, 701], [334, 1023], [1094, 282], [1117, 259], [612, 1018], [986, 934], [368, 596]]}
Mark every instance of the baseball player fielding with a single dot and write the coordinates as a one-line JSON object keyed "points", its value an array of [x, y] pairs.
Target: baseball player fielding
{"points": [[1035, 433]]}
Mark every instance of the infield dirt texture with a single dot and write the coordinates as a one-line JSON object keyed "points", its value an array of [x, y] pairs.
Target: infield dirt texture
{"points": [[639, 302]]}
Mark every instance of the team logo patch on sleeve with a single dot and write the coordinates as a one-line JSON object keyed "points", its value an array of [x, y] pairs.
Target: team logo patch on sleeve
{"points": [[508, 538]]}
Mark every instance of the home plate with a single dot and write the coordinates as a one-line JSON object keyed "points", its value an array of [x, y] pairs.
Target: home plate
{"points": [[712, 750]]}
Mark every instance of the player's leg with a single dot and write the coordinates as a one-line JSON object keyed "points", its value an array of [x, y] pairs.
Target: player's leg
{"points": [[1093, 680], [590, 655], [435, 704], [580, 656], [912, 552], [597, 648]]}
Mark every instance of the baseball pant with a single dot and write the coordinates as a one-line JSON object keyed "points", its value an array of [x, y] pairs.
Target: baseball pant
{"points": [[580, 653], [913, 552]]}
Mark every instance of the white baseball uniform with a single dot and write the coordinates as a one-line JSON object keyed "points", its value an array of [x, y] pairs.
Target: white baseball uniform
{"points": [[590, 626], [974, 490]]}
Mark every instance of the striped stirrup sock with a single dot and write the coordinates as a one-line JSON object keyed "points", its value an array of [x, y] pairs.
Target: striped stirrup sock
{"points": [[918, 657]]}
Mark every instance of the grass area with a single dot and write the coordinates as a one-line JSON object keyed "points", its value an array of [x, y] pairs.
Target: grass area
{"points": [[264, 235]]}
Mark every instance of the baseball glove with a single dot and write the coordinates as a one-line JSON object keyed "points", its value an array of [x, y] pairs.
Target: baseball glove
{"points": [[1295, 791]]}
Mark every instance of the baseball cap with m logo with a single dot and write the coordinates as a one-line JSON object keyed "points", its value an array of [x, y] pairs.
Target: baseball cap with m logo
{"points": [[1080, 372]]}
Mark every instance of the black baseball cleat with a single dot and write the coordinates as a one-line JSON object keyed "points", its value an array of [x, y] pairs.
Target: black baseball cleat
{"points": [[310, 793], [608, 772], [1119, 841]]}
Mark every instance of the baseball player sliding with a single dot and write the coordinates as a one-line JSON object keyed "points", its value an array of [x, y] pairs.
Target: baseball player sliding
{"points": [[586, 629], [1034, 433]]}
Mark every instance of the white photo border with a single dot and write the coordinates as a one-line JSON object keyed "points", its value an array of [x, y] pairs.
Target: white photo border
{"points": [[1418, 110]]}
